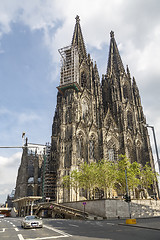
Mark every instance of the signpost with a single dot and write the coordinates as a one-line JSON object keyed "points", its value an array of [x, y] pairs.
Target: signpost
{"points": [[127, 194], [84, 204], [128, 199]]}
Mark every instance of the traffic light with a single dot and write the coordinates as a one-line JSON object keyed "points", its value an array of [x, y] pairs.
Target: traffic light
{"points": [[127, 198]]}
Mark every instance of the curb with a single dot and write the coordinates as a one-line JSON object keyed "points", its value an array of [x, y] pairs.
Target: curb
{"points": [[138, 226]]}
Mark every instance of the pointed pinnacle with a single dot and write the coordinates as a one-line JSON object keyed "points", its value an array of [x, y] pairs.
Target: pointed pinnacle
{"points": [[128, 72], [77, 19], [112, 34]]}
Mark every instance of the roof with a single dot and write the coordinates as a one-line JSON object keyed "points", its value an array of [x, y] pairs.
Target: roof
{"points": [[29, 198]]}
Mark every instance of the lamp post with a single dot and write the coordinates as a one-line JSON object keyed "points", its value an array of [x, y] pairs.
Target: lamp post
{"points": [[158, 160], [44, 166], [155, 142]]}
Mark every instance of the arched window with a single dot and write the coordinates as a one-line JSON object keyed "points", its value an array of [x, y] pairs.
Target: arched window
{"points": [[30, 168], [111, 154], [130, 150], [125, 92], [83, 79], [130, 120], [30, 190], [91, 149], [139, 152], [80, 147], [68, 150]]}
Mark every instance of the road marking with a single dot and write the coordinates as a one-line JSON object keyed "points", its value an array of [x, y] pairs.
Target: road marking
{"points": [[63, 234], [16, 229], [111, 224], [58, 231], [20, 237], [44, 238], [73, 225]]}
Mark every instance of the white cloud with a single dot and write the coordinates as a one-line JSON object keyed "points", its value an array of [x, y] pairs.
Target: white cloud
{"points": [[135, 25], [8, 173], [4, 191], [21, 117], [7, 162], [28, 117]]}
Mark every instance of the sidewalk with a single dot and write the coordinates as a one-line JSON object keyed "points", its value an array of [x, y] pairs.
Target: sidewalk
{"points": [[149, 223]]}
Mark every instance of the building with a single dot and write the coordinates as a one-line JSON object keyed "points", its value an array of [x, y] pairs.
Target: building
{"points": [[94, 119], [30, 173], [10, 198]]}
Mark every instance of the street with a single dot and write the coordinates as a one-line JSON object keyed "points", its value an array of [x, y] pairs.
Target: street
{"points": [[10, 229]]}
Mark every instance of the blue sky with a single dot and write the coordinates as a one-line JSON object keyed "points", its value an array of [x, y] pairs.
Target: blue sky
{"points": [[31, 32], [27, 89]]}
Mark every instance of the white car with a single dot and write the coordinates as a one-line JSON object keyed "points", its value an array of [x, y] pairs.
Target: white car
{"points": [[32, 221], [1, 216]]}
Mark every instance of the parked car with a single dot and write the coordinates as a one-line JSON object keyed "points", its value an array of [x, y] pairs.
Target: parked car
{"points": [[32, 221], [1, 216]]}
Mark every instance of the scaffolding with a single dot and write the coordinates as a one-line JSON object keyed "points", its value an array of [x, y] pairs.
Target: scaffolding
{"points": [[50, 177], [69, 68]]}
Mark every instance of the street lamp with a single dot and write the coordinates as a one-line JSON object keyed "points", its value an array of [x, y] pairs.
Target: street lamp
{"points": [[155, 142], [156, 148]]}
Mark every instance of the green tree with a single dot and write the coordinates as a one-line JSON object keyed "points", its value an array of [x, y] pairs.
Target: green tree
{"points": [[66, 181], [147, 177], [133, 171], [107, 176], [133, 175], [122, 165], [88, 178], [75, 181]]}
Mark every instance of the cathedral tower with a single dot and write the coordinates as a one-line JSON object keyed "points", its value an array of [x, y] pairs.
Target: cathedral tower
{"points": [[93, 121], [121, 100]]}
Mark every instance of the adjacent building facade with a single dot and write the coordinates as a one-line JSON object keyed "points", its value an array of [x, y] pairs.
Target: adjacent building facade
{"points": [[30, 174], [95, 119]]}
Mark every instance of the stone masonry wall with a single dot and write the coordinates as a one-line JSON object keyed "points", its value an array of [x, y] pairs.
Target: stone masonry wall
{"points": [[113, 208]]}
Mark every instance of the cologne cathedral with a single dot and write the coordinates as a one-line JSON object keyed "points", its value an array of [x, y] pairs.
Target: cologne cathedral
{"points": [[94, 119]]}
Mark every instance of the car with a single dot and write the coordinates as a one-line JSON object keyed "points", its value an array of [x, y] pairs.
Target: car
{"points": [[1, 216], [32, 221]]}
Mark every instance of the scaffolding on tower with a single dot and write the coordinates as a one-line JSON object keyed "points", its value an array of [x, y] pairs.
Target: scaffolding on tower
{"points": [[69, 69]]}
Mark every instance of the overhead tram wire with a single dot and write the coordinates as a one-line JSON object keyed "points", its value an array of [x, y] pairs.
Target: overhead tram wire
{"points": [[18, 147]]}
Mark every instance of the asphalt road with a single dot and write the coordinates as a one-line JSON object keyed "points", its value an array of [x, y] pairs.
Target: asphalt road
{"points": [[10, 229]]}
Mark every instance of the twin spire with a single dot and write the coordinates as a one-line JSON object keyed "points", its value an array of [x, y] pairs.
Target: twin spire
{"points": [[77, 40], [115, 65]]}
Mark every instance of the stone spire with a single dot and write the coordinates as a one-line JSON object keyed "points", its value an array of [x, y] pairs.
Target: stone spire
{"points": [[134, 86], [77, 39], [115, 65], [128, 72]]}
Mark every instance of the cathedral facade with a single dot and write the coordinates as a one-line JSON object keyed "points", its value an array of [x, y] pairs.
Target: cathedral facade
{"points": [[95, 119]]}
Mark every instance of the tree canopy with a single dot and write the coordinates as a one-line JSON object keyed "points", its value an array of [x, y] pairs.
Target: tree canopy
{"points": [[109, 176]]}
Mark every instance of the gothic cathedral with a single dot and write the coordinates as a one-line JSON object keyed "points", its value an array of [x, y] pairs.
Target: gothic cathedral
{"points": [[94, 119]]}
